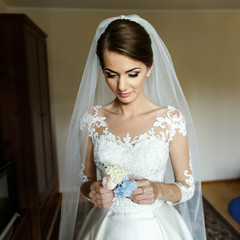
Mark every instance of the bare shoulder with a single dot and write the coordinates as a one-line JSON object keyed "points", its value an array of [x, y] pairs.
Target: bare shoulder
{"points": [[168, 111], [173, 111], [107, 109], [159, 111]]}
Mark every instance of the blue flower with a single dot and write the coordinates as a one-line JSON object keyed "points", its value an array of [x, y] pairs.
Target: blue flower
{"points": [[125, 188]]}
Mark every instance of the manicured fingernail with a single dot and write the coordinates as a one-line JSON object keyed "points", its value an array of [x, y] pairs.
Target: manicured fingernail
{"points": [[113, 199]]}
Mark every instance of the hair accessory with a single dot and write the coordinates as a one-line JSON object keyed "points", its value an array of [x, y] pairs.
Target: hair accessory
{"points": [[124, 17]]}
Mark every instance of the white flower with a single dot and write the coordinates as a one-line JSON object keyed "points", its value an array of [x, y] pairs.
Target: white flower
{"points": [[116, 173]]}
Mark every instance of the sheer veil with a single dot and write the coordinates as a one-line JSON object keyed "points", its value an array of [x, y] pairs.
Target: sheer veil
{"points": [[163, 88]]}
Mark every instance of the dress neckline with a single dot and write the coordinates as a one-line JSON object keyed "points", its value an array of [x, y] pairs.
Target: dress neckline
{"points": [[128, 139]]}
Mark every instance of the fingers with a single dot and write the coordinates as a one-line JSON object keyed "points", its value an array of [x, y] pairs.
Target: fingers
{"points": [[103, 198], [139, 190], [99, 192], [101, 204], [145, 201], [146, 198], [98, 188], [144, 194], [144, 186], [100, 196]]}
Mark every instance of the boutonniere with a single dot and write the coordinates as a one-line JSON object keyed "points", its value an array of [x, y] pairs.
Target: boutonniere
{"points": [[116, 179]]}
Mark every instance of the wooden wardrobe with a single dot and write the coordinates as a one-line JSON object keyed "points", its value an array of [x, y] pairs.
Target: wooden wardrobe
{"points": [[25, 125]]}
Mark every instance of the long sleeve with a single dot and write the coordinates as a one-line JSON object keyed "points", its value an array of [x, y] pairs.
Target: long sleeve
{"points": [[180, 156]]}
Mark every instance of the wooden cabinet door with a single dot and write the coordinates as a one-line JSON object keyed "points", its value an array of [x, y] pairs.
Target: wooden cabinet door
{"points": [[40, 111], [46, 119], [27, 122], [31, 51]]}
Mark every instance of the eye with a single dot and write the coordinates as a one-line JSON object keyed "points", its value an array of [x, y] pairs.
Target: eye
{"points": [[133, 75], [109, 75]]}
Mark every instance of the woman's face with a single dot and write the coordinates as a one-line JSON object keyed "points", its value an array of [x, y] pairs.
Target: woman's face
{"points": [[125, 76]]}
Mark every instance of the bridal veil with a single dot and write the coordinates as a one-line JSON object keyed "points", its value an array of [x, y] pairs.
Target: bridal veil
{"points": [[163, 88]]}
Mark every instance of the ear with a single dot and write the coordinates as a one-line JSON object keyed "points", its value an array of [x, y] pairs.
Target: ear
{"points": [[149, 71]]}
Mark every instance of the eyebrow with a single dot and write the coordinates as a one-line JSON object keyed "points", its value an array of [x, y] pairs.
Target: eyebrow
{"points": [[130, 70]]}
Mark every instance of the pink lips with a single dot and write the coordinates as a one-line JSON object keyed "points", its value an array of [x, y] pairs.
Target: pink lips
{"points": [[124, 95]]}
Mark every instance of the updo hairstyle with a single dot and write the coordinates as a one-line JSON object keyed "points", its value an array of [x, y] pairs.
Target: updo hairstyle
{"points": [[128, 38]]}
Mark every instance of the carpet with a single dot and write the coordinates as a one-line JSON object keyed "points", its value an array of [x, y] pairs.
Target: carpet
{"points": [[217, 228]]}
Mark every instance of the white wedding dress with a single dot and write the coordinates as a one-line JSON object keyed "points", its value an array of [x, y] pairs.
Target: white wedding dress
{"points": [[145, 156]]}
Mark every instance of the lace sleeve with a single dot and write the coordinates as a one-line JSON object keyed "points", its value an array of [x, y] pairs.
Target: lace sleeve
{"points": [[180, 156], [92, 121], [83, 178], [87, 170]]}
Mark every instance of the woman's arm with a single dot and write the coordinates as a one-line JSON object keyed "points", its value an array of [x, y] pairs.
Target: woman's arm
{"points": [[91, 188], [181, 162], [183, 188]]}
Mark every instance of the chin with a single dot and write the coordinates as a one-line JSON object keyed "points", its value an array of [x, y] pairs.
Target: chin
{"points": [[125, 100]]}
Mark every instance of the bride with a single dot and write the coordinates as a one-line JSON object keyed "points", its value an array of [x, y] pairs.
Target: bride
{"points": [[141, 123]]}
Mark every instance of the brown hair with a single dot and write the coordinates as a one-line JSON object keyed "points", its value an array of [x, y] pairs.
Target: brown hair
{"points": [[128, 38]]}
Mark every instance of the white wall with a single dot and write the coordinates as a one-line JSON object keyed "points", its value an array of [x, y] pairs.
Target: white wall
{"points": [[206, 52]]}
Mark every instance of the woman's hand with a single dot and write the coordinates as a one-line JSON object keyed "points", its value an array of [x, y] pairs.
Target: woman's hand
{"points": [[146, 193], [99, 196]]}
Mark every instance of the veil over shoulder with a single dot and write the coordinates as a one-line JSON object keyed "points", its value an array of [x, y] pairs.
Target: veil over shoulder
{"points": [[163, 88]]}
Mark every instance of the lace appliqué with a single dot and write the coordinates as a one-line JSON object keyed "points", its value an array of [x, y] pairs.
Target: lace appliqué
{"points": [[82, 179], [173, 121], [124, 205], [92, 121], [128, 141], [187, 192]]}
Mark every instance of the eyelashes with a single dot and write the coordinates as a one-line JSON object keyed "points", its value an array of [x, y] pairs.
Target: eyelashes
{"points": [[132, 75], [108, 75]]}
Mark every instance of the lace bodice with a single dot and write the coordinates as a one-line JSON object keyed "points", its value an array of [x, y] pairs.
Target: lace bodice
{"points": [[145, 156]]}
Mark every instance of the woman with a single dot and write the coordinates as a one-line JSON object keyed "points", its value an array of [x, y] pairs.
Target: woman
{"points": [[138, 129]]}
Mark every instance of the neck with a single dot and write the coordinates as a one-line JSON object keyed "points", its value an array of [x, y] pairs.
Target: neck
{"points": [[131, 109]]}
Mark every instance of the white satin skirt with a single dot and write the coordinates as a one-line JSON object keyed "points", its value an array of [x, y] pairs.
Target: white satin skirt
{"points": [[125, 220]]}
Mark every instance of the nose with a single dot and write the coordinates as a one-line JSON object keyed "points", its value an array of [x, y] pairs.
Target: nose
{"points": [[122, 84]]}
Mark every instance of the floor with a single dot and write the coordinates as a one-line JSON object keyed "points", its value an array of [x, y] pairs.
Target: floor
{"points": [[219, 194]]}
